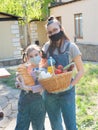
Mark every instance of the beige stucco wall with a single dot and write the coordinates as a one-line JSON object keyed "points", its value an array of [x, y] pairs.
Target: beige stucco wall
{"points": [[38, 32], [9, 40], [3, 16], [89, 9], [42, 32], [5, 40]]}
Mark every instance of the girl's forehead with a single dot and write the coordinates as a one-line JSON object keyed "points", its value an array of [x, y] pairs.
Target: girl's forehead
{"points": [[53, 26], [34, 52]]}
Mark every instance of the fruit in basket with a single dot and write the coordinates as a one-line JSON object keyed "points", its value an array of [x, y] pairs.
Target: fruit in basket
{"points": [[60, 67], [71, 68], [58, 71]]}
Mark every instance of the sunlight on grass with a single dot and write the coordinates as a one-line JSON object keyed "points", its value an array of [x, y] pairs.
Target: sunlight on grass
{"points": [[10, 81], [87, 96]]}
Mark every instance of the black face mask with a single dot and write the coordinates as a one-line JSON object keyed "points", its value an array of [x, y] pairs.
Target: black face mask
{"points": [[57, 36]]}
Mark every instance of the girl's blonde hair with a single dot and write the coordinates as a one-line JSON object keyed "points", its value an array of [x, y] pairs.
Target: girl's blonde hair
{"points": [[28, 50]]}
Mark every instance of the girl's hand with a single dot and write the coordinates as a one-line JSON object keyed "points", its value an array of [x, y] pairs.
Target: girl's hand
{"points": [[37, 89], [17, 80], [80, 70], [43, 63], [20, 84]]}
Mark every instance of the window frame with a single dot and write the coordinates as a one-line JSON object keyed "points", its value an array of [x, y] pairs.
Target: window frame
{"points": [[80, 27]]}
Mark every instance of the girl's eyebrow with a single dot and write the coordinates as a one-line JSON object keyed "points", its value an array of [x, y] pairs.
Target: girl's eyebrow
{"points": [[53, 30], [31, 56], [36, 54]]}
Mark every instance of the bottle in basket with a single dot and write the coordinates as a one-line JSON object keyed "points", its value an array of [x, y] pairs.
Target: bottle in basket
{"points": [[51, 67]]}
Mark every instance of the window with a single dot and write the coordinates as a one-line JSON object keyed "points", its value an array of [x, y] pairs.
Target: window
{"points": [[78, 26]]}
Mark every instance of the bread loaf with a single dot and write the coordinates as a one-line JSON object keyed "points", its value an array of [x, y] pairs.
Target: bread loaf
{"points": [[28, 79]]}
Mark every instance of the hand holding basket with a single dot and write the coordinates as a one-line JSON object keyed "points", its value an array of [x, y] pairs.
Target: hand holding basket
{"points": [[58, 82]]}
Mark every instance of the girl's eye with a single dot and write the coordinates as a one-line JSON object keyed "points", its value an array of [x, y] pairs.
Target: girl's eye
{"points": [[31, 56], [36, 54], [53, 31]]}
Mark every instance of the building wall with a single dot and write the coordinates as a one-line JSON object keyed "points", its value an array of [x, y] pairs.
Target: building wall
{"points": [[3, 16], [38, 32], [89, 9], [89, 52], [9, 40], [42, 35]]}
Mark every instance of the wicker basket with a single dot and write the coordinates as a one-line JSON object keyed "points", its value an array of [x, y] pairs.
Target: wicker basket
{"points": [[57, 83]]}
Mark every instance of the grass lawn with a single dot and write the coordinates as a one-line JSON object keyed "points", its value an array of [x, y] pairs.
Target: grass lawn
{"points": [[86, 96], [10, 81]]}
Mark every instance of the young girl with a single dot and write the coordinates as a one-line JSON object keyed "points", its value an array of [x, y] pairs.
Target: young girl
{"points": [[30, 106]]}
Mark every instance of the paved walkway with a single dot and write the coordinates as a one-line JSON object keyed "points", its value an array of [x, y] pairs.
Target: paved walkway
{"points": [[8, 102]]}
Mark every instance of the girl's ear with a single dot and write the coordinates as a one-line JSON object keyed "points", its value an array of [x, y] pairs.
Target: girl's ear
{"points": [[62, 29]]}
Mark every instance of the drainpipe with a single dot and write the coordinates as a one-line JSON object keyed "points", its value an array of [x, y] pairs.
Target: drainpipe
{"points": [[75, 39]]}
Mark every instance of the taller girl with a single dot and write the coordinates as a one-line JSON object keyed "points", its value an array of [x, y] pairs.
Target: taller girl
{"points": [[64, 52]]}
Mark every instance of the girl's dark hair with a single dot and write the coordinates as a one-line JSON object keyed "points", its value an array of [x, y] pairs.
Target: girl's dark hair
{"points": [[53, 45], [52, 19], [43, 54]]}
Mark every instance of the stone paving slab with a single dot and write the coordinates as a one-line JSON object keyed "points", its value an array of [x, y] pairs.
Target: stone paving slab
{"points": [[8, 103]]}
